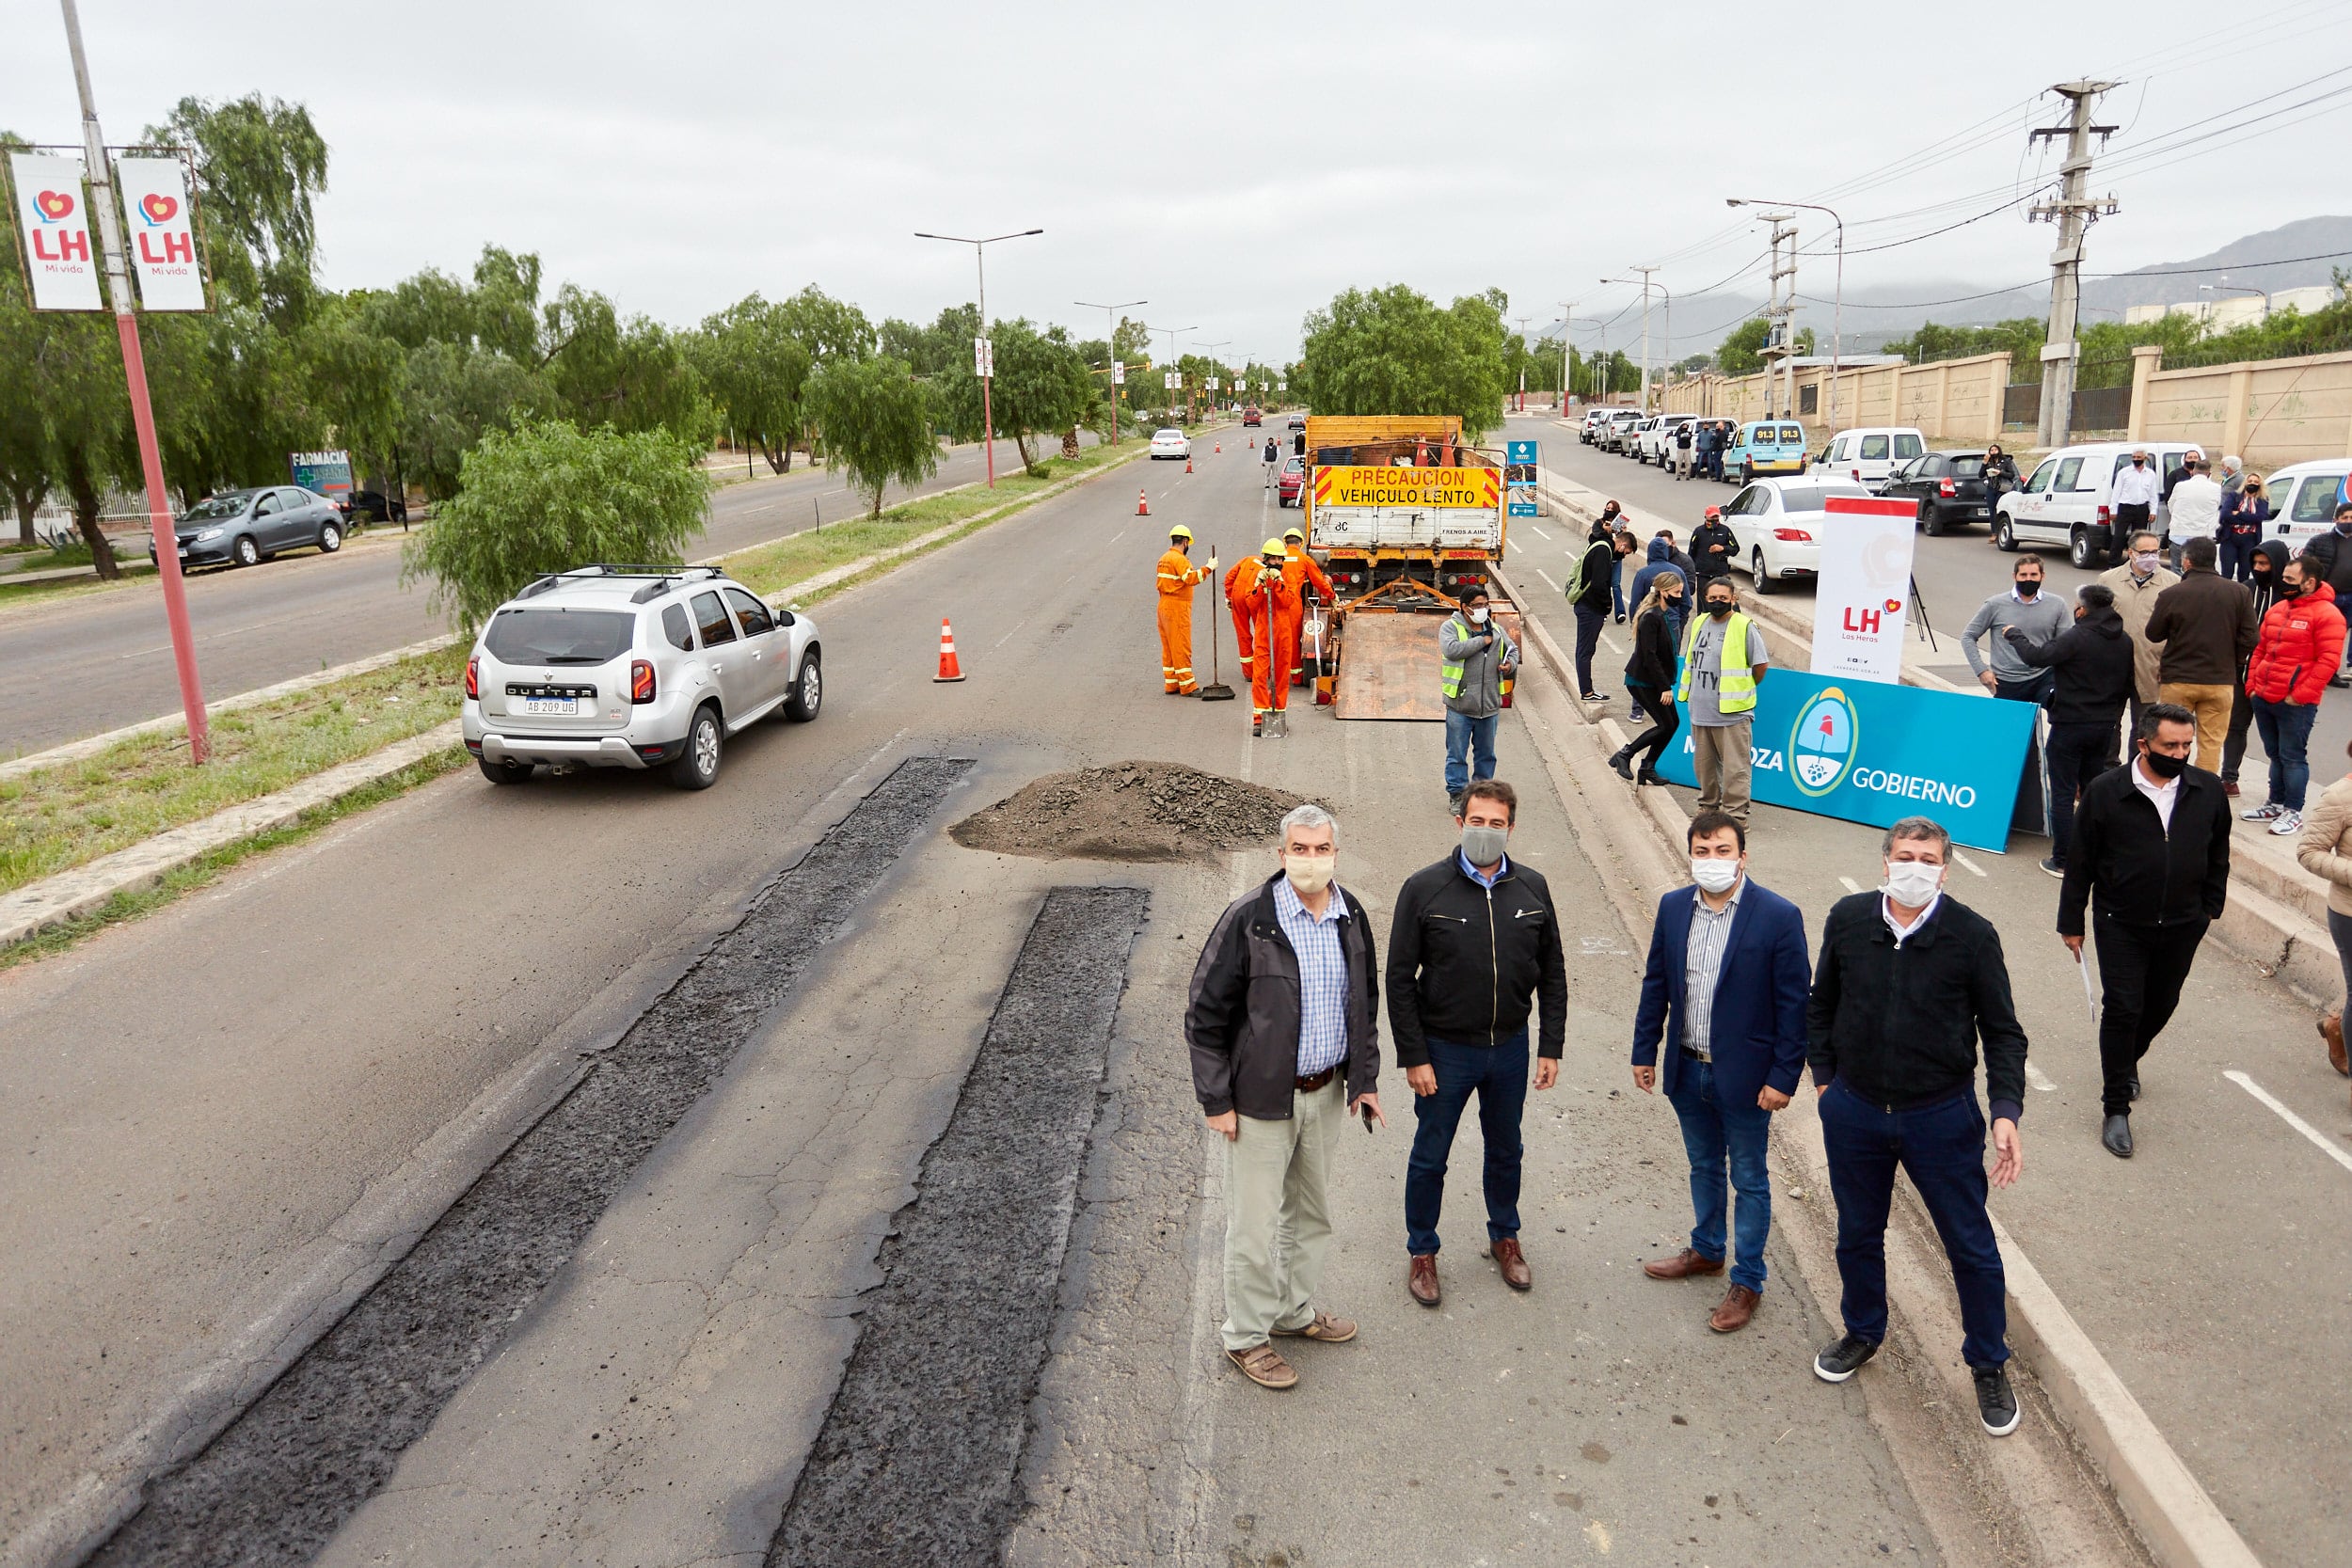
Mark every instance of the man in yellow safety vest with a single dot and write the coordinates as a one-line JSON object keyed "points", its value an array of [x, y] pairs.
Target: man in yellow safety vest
{"points": [[1723, 663]]}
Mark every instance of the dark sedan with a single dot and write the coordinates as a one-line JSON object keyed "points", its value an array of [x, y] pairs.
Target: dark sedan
{"points": [[243, 527], [1946, 487], [374, 506]]}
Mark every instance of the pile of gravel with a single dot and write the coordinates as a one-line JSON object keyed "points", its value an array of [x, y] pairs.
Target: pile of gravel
{"points": [[1129, 810]]}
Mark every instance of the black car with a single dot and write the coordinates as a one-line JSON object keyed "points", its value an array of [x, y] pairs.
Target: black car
{"points": [[374, 506], [1946, 487], [243, 527]]}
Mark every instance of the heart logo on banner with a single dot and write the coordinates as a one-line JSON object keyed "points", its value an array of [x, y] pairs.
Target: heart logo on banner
{"points": [[54, 204], [158, 207]]}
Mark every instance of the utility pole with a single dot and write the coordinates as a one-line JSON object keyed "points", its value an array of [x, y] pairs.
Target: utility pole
{"points": [[2073, 211], [1777, 348], [983, 354], [102, 190], [1644, 272], [1567, 317], [1522, 320]]}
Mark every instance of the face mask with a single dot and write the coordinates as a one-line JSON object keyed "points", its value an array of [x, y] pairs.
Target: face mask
{"points": [[1911, 883], [2288, 590], [2344, 525], [1479, 616], [2029, 586], [1719, 608], [1308, 873], [1715, 876], [2164, 767], [1483, 845], [2144, 564]]}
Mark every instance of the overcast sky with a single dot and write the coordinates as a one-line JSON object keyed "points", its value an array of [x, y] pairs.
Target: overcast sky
{"points": [[1235, 166]]}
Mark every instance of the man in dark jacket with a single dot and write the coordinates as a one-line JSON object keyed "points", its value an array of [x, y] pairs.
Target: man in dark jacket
{"points": [[2263, 567], [1284, 1026], [1725, 991], [2090, 662], [1909, 979], [2206, 623], [1712, 546], [2152, 841], [1596, 576], [1475, 943]]}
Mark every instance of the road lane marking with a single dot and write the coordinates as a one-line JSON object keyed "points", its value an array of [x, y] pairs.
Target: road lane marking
{"points": [[1849, 884], [2038, 1078], [1546, 576], [1546, 538], [1611, 644], [1969, 864], [2243, 1082]]}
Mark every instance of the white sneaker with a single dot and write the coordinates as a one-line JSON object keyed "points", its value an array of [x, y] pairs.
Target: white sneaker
{"points": [[2263, 813], [2289, 822]]}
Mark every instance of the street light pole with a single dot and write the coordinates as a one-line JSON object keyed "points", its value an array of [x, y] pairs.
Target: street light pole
{"points": [[1110, 337], [159, 520], [1568, 319], [2235, 288], [985, 357], [1837, 304], [1646, 286]]}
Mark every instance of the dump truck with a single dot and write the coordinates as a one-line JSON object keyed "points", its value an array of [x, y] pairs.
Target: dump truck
{"points": [[1408, 520]]}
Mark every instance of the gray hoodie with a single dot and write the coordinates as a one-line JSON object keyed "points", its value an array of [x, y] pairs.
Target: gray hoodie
{"points": [[2042, 618], [1460, 642]]}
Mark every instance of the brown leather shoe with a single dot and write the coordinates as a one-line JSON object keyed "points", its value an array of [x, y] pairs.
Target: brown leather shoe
{"points": [[1422, 1278], [1512, 1261], [1740, 1304], [1324, 1327], [2331, 1030], [1263, 1366], [1685, 1264]]}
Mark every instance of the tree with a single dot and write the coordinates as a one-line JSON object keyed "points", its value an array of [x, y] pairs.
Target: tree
{"points": [[452, 395], [1041, 383], [1743, 353], [25, 471], [258, 163], [755, 368], [88, 413], [551, 496], [1392, 351], [2021, 338], [876, 423]]}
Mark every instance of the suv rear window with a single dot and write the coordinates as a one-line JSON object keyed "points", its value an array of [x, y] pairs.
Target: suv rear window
{"points": [[553, 635], [1790, 433]]}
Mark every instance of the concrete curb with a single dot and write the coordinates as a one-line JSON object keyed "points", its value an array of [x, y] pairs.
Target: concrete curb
{"points": [[2176, 1519]]}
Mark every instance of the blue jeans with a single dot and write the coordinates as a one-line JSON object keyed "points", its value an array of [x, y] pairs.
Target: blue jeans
{"points": [[1498, 1075], [1616, 585], [1941, 1148], [2287, 732], [1711, 1132], [2238, 556], [1462, 732]]}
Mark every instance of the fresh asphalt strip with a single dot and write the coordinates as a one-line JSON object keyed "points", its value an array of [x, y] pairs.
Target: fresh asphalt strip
{"points": [[919, 1458], [275, 1484]]}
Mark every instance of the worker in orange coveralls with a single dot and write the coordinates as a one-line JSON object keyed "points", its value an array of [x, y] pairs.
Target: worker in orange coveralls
{"points": [[1299, 570], [1176, 578], [1259, 594]]}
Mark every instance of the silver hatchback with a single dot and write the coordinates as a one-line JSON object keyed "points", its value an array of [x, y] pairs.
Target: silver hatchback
{"points": [[634, 667]]}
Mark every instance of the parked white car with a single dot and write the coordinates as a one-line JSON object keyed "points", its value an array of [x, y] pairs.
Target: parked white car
{"points": [[1594, 419], [1611, 437], [1656, 438], [2304, 498], [1779, 523], [1871, 454], [2067, 501]]}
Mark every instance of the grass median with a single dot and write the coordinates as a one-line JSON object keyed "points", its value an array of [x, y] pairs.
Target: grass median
{"points": [[55, 819]]}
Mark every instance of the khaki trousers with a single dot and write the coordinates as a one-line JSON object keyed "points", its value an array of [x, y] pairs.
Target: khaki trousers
{"points": [[1277, 1214], [2211, 703], [1722, 762]]}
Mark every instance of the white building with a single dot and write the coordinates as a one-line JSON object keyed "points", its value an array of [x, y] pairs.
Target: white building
{"points": [[2220, 311]]}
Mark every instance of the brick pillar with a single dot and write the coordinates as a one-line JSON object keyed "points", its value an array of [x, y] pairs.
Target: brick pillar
{"points": [[1996, 369], [2146, 361], [2233, 422]]}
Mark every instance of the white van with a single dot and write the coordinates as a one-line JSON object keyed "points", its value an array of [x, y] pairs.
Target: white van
{"points": [[2304, 498], [1869, 455], [2065, 502]]}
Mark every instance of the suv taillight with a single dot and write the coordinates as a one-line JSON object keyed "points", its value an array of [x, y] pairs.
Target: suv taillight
{"points": [[640, 681], [473, 678], [2105, 517], [1946, 487]]}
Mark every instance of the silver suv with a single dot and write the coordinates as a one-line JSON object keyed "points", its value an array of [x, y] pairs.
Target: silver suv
{"points": [[634, 667]]}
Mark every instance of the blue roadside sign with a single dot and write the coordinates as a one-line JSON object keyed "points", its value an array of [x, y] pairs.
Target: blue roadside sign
{"points": [[1518, 475], [1867, 752]]}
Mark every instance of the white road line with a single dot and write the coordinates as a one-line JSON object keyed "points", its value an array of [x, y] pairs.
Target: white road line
{"points": [[2243, 1082], [1546, 538], [1849, 884], [1546, 576], [1611, 644], [2034, 1075], [1969, 864]]}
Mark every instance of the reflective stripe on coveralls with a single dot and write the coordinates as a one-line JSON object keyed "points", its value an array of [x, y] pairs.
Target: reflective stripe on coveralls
{"points": [[1262, 596], [1177, 574], [1297, 569]]}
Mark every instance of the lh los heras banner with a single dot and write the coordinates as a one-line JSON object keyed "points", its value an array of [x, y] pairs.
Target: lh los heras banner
{"points": [[162, 234], [53, 215], [1862, 599], [1863, 752]]}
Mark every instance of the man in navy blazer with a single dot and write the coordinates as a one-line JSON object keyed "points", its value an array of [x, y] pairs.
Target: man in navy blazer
{"points": [[1725, 989]]}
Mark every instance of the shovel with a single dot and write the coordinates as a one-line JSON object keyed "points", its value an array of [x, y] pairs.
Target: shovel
{"points": [[1216, 690]]}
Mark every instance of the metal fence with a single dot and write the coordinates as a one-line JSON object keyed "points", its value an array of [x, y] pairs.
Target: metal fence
{"points": [[2096, 407]]}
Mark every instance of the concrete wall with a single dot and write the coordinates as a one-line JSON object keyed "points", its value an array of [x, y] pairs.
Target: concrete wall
{"points": [[1953, 401], [2272, 412]]}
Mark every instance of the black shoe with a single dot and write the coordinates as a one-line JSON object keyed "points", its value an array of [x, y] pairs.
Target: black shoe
{"points": [[1621, 617], [2135, 1090], [1647, 777], [1996, 1404], [2052, 867], [2116, 1135], [1844, 1358], [1623, 762], [1595, 696]]}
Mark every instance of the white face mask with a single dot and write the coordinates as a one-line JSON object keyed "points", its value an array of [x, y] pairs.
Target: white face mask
{"points": [[1478, 617], [1715, 876], [1308, 873], [1911, 883], [2144, 564]]}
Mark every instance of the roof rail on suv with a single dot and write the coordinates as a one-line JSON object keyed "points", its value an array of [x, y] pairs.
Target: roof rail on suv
{"points": [[664, 577]]}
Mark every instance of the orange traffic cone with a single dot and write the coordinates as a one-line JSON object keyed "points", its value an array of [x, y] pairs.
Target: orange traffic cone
{"points": [[1188, 462], [948, 669], [1220, 448], [1143, 503]]}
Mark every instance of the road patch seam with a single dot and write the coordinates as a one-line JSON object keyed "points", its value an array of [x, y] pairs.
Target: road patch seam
{"points": [[2177, 1520]]}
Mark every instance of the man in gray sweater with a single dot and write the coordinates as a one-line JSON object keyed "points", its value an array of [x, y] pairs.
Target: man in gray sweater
{"points": [[2039, 615], [1474, 658]]}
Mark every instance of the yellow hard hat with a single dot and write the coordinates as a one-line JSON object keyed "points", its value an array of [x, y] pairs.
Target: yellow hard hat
{"points": [[1294, 531], [1180, 532], [1274, 546]]}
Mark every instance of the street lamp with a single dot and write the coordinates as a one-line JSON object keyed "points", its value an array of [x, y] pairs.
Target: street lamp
{"points": [[1110, 337], [984, 361], [1646, 286], [1221, 343], [2237, 289], [1838, 305]]}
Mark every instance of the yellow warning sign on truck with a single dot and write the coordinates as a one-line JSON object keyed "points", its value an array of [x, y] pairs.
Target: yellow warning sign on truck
{"points": [[1468, 488]]}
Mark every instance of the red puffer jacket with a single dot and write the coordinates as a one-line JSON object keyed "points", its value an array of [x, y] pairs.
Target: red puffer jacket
{"points": [[2301, 643]]}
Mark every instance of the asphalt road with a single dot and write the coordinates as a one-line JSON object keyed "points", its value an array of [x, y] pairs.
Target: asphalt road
{"points": [[1956, 573], [225, 1116], [95, 663], [2201, 1268]]}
